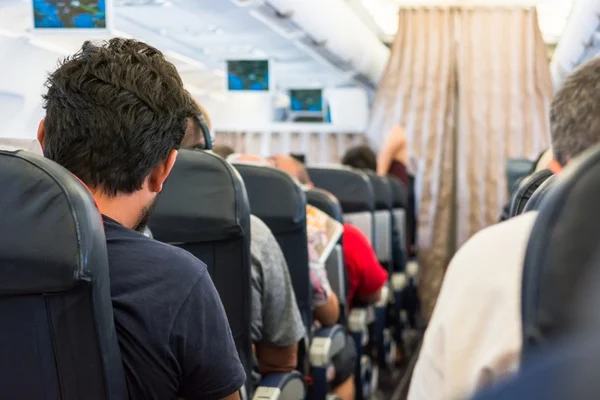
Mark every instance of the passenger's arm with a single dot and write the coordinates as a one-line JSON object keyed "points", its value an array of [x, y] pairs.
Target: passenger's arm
{"points": [[202, 342], [276, 324], [393, 143], [370, 298], [328, 313], [273, 359]]}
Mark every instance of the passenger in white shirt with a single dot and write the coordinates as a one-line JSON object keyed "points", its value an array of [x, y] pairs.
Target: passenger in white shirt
{"points": [[474, 336]]}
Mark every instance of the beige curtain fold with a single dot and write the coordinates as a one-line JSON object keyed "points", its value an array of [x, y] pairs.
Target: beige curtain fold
{"points": [[472, 88], [418, 92], [504, 90]]}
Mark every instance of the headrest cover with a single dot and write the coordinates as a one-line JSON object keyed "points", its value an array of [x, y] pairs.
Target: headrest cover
{"points": [[325, 202], [540, 195], [352, 187], [399, 195], [526, 189], [383, 192], [561, 250], [31, 145], [203, 200], [51, 234], [274, 197]]}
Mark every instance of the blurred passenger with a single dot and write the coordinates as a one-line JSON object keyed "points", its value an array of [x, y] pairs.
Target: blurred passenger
{"points": [[115, 117], [326, 309], [361, 157], [474, 336], [276, 326], [393, 156], [223, 150], [366, 276]]}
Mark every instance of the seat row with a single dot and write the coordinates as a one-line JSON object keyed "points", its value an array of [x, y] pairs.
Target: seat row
{"points": [[56, 294]]}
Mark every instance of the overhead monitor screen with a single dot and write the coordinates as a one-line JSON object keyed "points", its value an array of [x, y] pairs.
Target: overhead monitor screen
{"points": [[250, 75], [306, 100], [69, 14]]}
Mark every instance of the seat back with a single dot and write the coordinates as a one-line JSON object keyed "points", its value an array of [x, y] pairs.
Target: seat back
{"points": [[399, 204], [517, 169], [355, 193], [58, 338], [526, 189], [563, 244], [281, 204], [383, 218], [540, 194], [203, 209], [336, 270]]}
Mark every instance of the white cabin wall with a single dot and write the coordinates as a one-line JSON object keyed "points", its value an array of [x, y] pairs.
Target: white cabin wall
{"points": [[21, 82]]}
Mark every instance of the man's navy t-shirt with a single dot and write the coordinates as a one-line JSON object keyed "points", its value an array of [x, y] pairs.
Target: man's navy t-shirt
{"points": [[173, 332]]}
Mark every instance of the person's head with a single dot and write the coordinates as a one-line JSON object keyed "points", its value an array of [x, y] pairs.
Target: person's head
{"points": [[360, 157], [116, 114], [223, 150], [292, 167], [194, 134], [575, 113]]}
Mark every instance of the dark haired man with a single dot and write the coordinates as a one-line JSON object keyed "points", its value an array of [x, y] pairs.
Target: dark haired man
{"points": [[474, 338], [116, 114], [360, 157]]}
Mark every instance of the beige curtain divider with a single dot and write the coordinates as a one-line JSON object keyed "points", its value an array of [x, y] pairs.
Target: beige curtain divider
{"points": [[472, 88]]}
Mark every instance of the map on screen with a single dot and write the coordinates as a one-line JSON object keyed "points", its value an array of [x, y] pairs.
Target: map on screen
{"points": [[69, 14]]}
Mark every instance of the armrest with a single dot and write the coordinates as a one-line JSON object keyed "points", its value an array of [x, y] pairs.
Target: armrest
{"points": [[326, 343], [384, 300], [287, 386]]}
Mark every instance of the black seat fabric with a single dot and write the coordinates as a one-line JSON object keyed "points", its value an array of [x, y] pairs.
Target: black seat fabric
{"points": [[203, 209], [564, 241], [399, 195], [382, 189], [517, 169], [326, 202], [281, 204], [58, 339], [526, 189], [352, 188], [540, 194]]}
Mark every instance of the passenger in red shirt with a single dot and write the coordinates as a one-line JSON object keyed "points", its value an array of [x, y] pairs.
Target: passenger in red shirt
{"points": [[366, 276]]}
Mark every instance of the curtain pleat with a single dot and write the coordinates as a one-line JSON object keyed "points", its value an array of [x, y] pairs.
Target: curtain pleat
{"points": [[471, 86]]}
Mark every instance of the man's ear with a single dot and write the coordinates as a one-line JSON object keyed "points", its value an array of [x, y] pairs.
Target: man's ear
{"points": [[159, 174], [41, 133]]}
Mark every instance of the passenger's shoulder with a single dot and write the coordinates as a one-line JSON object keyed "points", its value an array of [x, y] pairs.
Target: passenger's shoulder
{"points": [[492, 247], [179, 262]]}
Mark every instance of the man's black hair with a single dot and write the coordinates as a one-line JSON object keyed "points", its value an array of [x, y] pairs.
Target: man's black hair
{"points": [[113, 112], [360, 157]]}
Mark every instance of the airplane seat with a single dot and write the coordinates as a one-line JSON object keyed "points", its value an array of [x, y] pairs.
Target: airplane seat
{"points": [[517, 169], [58, 339], [399, 207], [525, 190], [336, 270], [355, 193], [560, 254], [203, 209], [540, 195], [280, 203]]}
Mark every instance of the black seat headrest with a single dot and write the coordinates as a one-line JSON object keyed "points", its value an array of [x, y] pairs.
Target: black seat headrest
{"points": [[352, 188], [382, 190], [516, 169], [264, 183], [526, 189], [563, 244], [540, 194], [399, 194], [196, 216], [51, 230], [325, 202]]}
